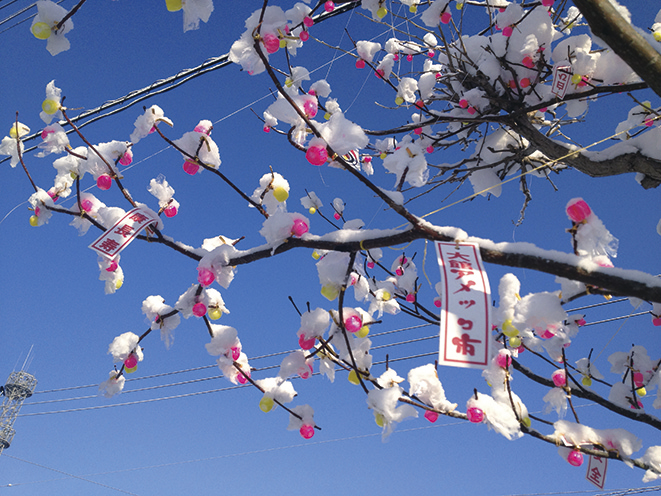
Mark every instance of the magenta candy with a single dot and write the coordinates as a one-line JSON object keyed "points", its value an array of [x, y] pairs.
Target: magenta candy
{"points": [[86, 205], [395, 57], [379, 73], [507, 31], [205, 277], [445, 17], [191, 167], [131, 361], [271, 42], [437, 302], [308, 21], [236, 352], [409, 57], [638, 379], [559, 378], [475, 415], [360, 64], [431, 416], [310, 108], [305, 372], [578, 210], [656, 321], [127, 158], [410, 297], [370, 265], [399, 271], [317, 155], [45, 133], [112, 267], [575, 458], [299, 228], [353, 323], [307, 431], [203, 128], [104, 182], [547, 3], [242, 377], [547, 334], [463, 103], [337, 216], [528, 62], [306, 344], [170, 211], [430, 149], [304, 36], [329, 6], [503, 360], [199, 309]]}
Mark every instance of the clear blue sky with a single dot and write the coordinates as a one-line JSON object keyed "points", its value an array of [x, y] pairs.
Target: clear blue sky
{"points": [[51, 300]]}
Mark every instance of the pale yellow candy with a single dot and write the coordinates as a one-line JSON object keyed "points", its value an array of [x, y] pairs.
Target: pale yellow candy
{"points": [[41, 30]]}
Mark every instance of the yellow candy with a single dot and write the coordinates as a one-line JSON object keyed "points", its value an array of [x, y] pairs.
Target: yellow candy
{"points": [[280, 194], [353, 378], [173, 5], [641, 391], [657, 35], [383, 155], [34, 221], [330, 292], [385, 296], [283, 43], [363, 332], [526, 421], [382, 12], [378, 418], [266, 404], [586, 381], [399, 100], [312, 210], [215, 313], [50, 106], [316, 255], [119, 283], [576, 78], [41, 30], [413, 9], [327, 115]]}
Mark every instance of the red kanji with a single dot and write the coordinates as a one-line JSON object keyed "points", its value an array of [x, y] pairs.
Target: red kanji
{"points": [[464, 345], [465, 287], [462, 273], [108, 245], [461, 265], [124, 230], [138, 217], [456, 254], [469, 303]]}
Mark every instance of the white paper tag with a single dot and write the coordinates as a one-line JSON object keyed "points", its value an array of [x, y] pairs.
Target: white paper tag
{"points": [[561, 79], [118, 237], [597, 471], [466, 306]]}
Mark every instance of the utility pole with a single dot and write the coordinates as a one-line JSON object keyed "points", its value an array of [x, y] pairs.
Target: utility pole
{"points": [[20, 385]]}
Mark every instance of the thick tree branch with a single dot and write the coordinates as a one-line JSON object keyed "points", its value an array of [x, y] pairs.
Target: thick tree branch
{"points": [[606, 23], [620, 164]]}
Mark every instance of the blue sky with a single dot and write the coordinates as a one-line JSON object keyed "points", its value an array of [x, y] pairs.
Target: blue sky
{"points": [[51, 301]]}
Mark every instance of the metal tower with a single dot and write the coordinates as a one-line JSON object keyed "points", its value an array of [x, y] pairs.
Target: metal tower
{"points": [[20, 385]]}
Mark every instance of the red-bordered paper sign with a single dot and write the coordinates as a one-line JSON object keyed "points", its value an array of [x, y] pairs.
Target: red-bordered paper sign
{"points": [[115, 239], [561, 79], [465, 308], [596, 473]]}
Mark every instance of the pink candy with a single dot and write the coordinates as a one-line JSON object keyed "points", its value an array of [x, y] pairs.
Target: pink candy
{"points": [[507, 31], [410, 298], [112, 267], [329, 6], [205, 277], [353, 323], [170, 211], [299, 228], [104, 182], [575, 458], [236, 352], [191, 167], [503, 360], [304, 36], [559, 378], [308, 21], [431, 416], [271, 43], [127, 158], [131, 361], [360, 64], [307, 431], [475, 415], [577, 210], [310, 108], [86, 205], [317, 155], [242, 377], [199, 309], [306, 344], [446, 17]]}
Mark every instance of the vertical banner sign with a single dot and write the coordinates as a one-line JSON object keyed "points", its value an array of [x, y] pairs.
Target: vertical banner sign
{"points": [[597, 471], [118, 237], [561, 78], [465, 309]]}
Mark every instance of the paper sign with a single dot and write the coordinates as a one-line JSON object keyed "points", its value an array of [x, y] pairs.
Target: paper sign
{"points": [[465, 306], [561, 79], [597, 471], [118, 237]]}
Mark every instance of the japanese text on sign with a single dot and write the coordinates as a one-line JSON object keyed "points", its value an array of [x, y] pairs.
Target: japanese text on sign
{"points": [[465, 306], [561, 78], [115, 239], [597, 471]]}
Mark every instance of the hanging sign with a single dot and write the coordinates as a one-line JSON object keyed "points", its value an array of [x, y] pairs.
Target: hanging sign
{"points": [[118, 237], [465, 306], [561, 78], [597, 471]]}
